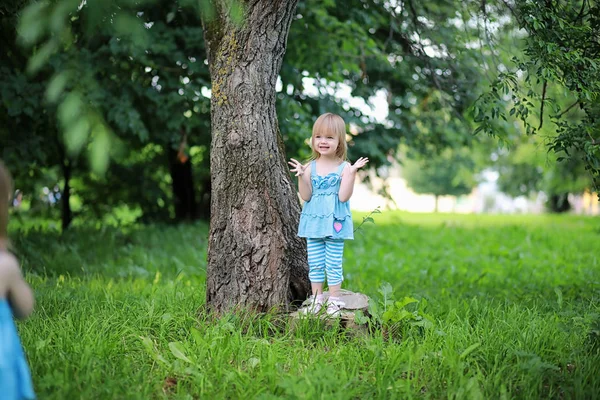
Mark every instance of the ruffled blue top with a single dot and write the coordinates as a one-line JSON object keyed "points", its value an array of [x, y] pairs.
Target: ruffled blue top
{"points": [[324, 215], [15, 378]]}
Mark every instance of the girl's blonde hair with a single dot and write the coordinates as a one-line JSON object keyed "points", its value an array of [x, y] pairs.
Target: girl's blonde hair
{"points": [[5, 197], [330, 124]]}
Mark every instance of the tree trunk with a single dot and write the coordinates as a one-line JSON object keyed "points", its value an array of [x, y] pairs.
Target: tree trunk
{"points": [[65, 197], [255, 259], [436, 203], [204, 201], [559, 203], [183, 187]]}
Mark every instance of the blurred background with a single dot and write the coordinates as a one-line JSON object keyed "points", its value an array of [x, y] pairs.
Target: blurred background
{"points": [[461, 106]]}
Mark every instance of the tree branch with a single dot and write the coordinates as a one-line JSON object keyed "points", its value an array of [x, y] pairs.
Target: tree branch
{"points": [[512, 11], [580, 15], [568, 109], [542, 105]]}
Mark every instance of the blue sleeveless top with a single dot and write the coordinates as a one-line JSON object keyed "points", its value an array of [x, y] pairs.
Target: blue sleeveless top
{"points": [[15, 378], [324, 215]]}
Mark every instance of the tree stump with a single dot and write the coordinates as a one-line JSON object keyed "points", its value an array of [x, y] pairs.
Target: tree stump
{"points": [[353, 301]]}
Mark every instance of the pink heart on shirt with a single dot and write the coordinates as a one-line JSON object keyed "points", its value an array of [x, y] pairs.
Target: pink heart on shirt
{"points": [[337, 226]]}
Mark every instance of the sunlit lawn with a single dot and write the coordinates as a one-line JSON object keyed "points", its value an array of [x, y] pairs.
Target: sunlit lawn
{"points": [[514, 302]]}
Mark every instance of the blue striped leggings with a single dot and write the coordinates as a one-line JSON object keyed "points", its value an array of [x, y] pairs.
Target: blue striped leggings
{"points": [[325, 256]]}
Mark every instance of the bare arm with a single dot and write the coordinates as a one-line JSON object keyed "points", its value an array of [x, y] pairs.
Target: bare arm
{"points": [[19, 294], [348, 177], [303, 174]]}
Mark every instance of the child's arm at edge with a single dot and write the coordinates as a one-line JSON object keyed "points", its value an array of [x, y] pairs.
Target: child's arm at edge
{"points": [[19, 295]]}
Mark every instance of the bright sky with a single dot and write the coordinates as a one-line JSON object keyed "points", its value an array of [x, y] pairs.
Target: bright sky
{"points": [[376, 107]]}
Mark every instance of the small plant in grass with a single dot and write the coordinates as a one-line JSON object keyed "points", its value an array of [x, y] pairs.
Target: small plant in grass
{"points": [[392, 315], [368, 219]]}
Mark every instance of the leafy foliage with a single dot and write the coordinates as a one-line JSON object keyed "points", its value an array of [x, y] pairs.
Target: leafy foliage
{"points": [[395, 316], [528, 168], [117, 91], [117, 79], [558, 57]]}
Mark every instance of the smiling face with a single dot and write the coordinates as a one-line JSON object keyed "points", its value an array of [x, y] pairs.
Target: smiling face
{"points": [[329, 137], [326, 144]]}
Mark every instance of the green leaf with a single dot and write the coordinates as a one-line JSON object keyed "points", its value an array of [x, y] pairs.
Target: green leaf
{"points": [[197, 336], [70, 109], [374, 311], [386, 291], [469, 350], [360, 317], [151, 350], [178, 351], [57, 86], [33, 22], [41, 56], [406, 301], [424, 323], [100, 150], [76, 135], [394, 315], [60, 14]]}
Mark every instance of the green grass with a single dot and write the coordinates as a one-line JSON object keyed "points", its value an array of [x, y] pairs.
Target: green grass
{"points": [[514, 302]]}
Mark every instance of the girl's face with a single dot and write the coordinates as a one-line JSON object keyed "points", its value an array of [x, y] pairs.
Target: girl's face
{"points": [[326, 144]]}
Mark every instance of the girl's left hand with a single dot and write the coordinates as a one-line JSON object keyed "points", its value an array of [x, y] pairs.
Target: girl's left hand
{"points": [[298, 168], [361, 162]]}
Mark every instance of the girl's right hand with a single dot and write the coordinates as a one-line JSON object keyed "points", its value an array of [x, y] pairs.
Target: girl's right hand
{"points": [[361, 162], [298, 168]]}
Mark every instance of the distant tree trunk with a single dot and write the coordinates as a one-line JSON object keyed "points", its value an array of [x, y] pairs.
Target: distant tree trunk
{"points": [[183, 187], [436, 203], [255, 259], [204, 202], [559, 203], [66, 214]]}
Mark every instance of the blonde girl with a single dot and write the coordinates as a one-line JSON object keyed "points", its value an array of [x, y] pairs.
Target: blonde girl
{"points": [[326, 184]]}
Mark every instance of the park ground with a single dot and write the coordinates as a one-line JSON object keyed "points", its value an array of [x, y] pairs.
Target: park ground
{"points": [[469, 307]]}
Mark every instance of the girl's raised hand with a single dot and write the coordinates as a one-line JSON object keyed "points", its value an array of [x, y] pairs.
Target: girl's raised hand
{"points": [[361, 162], [298, 168]]}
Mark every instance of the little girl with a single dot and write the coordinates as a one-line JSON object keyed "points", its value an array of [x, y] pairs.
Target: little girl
{"points": [[16, 298], [326, 184]]}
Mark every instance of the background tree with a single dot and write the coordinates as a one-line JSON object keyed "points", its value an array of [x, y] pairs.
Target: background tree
{"points": [[112, 91], [561, 56], [528, 169], [450, 173]]}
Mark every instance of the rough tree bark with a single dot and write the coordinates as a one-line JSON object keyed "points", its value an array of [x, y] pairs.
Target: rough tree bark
{"points": [[255, 259]]}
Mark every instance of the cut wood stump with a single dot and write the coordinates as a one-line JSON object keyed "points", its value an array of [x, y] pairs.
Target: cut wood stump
{"points": [[353, 302]]}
